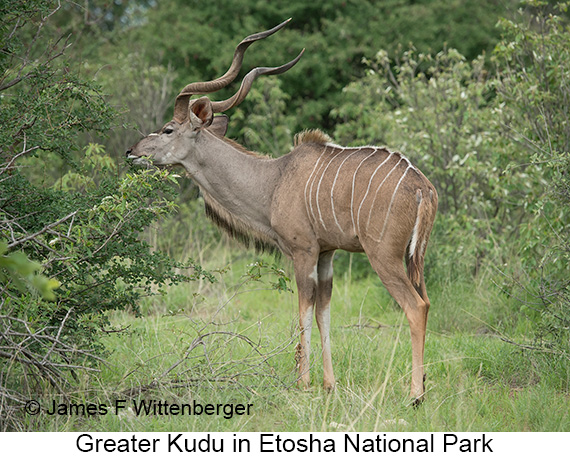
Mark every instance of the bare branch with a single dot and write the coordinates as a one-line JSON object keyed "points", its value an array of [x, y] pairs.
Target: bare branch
{"points": [[17, 156], [43, 230]]}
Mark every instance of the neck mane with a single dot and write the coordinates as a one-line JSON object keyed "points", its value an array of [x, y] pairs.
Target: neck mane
{"points": [[238, 228]]}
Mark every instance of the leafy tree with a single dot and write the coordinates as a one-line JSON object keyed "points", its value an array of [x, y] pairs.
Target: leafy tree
{"points": [[337, 35], [533, 86]]}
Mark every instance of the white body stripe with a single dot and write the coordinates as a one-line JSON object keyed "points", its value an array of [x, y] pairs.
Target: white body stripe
{"points": [[377, 190], [319, 187], [370, 184], [308, 203], [391, 202], [334, 183], [353, 182]]}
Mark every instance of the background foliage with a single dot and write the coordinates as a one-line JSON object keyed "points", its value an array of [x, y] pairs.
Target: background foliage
{"points": [[475, 93]]}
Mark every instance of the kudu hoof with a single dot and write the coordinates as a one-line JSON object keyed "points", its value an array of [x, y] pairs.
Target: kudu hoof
{"points": [[329, 388], [417, 401]]}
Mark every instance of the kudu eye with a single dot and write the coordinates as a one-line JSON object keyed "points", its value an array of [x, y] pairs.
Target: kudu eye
{"points": [[168, 130]]}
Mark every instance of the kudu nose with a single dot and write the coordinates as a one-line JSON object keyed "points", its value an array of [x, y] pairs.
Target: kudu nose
{"points": [[129, 151]]}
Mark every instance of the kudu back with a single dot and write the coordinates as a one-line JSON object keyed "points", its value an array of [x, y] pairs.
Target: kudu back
{"points": [[318, 198]]}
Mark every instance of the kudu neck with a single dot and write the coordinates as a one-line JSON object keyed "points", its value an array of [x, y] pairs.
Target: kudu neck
{"points": [[243, 184]]}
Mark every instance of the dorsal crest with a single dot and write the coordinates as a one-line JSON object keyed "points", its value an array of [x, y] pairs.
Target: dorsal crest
{"points": [[312, 136]]}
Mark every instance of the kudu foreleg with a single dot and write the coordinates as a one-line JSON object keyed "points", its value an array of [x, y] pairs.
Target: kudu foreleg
{"points": [[306, 276], [314, 286]]}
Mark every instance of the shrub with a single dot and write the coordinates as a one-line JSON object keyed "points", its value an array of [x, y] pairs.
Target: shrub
{"points": [[79, 232]]}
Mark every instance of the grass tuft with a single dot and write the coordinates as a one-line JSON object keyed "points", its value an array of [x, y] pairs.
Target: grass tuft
{"points": [[233, 342]]}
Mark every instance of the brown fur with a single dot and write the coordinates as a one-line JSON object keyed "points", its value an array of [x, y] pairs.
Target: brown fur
{"points": [[240, 148]]}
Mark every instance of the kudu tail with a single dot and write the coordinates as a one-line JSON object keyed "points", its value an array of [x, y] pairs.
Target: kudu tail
{"points": [[427, 205]]}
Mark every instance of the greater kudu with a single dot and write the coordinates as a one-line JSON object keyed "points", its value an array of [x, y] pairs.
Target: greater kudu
{"points": [[318, 198]]}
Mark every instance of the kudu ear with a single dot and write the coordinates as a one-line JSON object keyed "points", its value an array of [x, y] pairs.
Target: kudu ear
{"points": [[219, 125], [201, 113]]}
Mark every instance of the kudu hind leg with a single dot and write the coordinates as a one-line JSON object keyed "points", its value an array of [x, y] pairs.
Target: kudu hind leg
{"points": [[422, 291], [324, 292], [394, 278]]}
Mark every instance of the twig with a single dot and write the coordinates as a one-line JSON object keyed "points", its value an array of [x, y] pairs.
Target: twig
{"points": [[26, 59], [43, 230], [24, 152], [56, 339], [361, 326], [535, 348]]}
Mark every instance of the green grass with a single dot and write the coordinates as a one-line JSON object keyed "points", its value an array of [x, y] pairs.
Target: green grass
{"points": [[233, 342]]}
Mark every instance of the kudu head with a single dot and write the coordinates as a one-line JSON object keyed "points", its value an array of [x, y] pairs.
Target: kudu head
{"points": [[174, 142]]}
